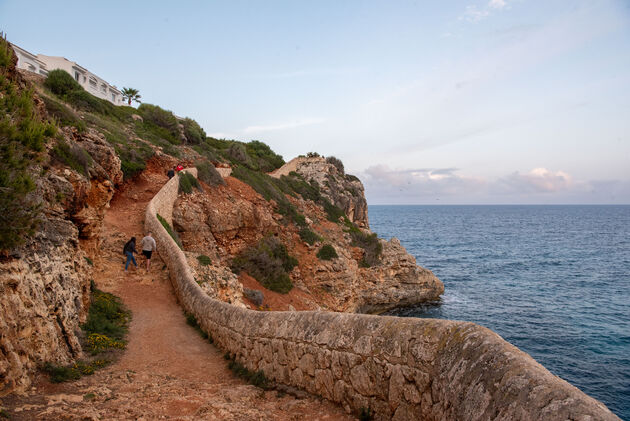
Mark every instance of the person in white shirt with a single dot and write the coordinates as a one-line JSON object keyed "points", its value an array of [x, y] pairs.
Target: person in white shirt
{"points": [[148, 245]]}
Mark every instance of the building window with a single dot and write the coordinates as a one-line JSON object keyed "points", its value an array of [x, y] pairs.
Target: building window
{"points": [[32, 68], [76, 76], [92, 83], [114, 98], [103, 87], [43, 72]]}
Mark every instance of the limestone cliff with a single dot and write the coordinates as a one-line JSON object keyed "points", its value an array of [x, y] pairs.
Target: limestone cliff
{"points": [[343, 190], [226, 219], [45, 282]]}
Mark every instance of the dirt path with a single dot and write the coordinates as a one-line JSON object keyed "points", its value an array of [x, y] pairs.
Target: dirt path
{"points": [[167, 371]]}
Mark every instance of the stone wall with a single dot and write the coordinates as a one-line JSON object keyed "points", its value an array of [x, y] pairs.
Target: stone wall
{"points": [[401, 368]]}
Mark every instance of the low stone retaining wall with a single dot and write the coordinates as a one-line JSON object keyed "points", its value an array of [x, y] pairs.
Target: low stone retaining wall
{"points": [[400, 368]]}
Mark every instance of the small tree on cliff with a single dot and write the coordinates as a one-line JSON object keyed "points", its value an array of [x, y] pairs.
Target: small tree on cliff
{"points": [[131, 94]]}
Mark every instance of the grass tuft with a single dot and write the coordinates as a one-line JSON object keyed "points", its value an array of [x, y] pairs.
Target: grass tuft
{"points": [[170, 230], [327, 252], [309, 236], [204, 260], [268, 262], [257, 378]]}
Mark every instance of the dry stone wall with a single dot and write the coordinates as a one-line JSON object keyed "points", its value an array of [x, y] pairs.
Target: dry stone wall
{"points": [[401, 368]]}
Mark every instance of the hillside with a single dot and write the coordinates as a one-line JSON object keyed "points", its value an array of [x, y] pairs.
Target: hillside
{"points": [[67, 154]]}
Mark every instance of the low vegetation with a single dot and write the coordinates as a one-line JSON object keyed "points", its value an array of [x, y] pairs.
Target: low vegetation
{"points": [[370, 244], [105, 329], [208, 174], [309, 236], [23, 133], [170, 230], [191, 321], [269, 263], [327, 252], [257, 378], [74, 156], [204, 260], [187, 182]]}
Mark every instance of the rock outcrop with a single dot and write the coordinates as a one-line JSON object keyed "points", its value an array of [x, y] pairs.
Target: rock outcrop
{"points": [[45, 284], [224, 220], [343, 190]]}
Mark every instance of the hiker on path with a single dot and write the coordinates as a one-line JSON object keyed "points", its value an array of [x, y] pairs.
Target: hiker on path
{"points": [[179, 167], [171, 172], [129, 250], [148, 245]]}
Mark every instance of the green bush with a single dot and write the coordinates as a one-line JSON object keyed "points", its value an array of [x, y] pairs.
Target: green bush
{"points": [[309, 236], [257, 378], [23, 135], [208, 174], [370, 244], [327, 252], [61, 82], [204, 260], [193, 131], [265, 159], [170, 230], [73, 156], [268, 262], [337, 163], [156, 116], [186, 183], [64, 115], [107, 316]]}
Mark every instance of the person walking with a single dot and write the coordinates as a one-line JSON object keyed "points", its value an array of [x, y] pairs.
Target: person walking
{"points": [[129, 250], [148, 245], [171, 173]]}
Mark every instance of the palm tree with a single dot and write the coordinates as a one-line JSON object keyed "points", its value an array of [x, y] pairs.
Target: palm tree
{"points": [[131, 94]]}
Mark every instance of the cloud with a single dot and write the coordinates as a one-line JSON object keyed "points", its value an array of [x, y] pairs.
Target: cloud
{"points": [[282, 126], [538, 180], [540, 185], [496, 4], [474, 14]]}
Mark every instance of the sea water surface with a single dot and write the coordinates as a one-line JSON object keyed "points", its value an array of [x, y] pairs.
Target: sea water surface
{"points": [[552, 280]]}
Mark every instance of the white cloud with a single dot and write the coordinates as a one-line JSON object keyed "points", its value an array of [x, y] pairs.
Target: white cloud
{"points": [[282, 126], [496, 4], [540, 185], [474, 14]]}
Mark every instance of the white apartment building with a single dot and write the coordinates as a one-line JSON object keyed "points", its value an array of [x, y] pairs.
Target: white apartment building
{"points": [[42, 64], [29, 61]]}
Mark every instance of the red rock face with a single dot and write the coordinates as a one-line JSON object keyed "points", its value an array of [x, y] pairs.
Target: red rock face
{"points": [[225, 220]]}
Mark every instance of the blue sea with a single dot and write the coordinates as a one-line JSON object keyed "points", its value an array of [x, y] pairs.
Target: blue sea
{"points": [[552, 280]]}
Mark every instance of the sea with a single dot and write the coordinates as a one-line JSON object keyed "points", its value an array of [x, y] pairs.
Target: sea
{"points": [[552, 280]]}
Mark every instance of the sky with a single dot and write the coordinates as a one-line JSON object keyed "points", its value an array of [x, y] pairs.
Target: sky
{"points": [[427, 102]]}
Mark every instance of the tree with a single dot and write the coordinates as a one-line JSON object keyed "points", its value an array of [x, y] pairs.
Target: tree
{"points": [[131, 94]]}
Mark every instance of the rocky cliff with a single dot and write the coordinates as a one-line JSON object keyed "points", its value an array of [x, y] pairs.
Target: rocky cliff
{"points": [[45, 281], [224, 220]]}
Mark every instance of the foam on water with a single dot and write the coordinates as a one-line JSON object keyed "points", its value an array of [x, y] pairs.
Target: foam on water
{"points": [[552, 280]]}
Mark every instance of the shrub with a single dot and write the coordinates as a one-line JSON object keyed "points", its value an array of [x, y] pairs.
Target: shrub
{"points": [[59, 374], [312, 155], [107, 316], [257, 378], [191, 321], [204, 260], [370, 244], [186, 183], [154, 115], [327, 252], [266, 160], [309, 236], [208, 174], [193, 132], [63, 114], [337, 163], [170, 230], [73, 156], [61, 83], [23, 135], [269, 263]]}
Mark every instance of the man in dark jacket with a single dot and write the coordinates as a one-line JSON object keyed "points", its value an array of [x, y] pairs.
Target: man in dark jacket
{"points": [[129, 250]]}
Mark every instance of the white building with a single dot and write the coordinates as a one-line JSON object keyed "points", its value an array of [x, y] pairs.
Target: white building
{"points": [[29, 61], [42, 64]]}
